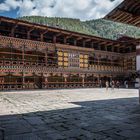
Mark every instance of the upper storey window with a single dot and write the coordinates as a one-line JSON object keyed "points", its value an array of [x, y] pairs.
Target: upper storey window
{"points": [[73, 59]]}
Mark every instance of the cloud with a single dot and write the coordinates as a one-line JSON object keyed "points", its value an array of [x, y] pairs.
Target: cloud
{"points": [[83, 9], [9, 5]]}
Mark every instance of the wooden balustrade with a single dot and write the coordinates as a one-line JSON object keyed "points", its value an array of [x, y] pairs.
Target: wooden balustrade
{"points": [[16, 42], [106, 68], [43, 66]]}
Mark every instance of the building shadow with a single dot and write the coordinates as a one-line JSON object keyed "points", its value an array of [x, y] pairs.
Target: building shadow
{"points": [[114, 119]]}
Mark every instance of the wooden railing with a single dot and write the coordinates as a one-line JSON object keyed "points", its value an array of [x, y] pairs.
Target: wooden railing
{"points": [[4, 40], [107, 68], [21, 64]]}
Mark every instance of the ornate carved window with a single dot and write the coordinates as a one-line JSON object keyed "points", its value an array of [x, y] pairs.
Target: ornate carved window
{"points": [[73, 59]]}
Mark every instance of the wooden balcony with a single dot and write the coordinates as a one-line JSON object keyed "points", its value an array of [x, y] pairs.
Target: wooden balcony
{"points": [[17, 43], [43, 67], [34, 66], [107, 68]]}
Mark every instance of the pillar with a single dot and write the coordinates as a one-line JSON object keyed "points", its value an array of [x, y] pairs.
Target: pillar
{"points": [[65, 40], [23, 80], [75, 42], [98, 78], [42, 37], [28, 35], [98, 65], [138, 58], [84, 43], [65, 78], [46, 79], [105, 48], [46, 55], [92, 45], [118, 50], [12, 32], [111, 77], [83, 80], [54, 39], [138, 64], [112, 48], [23, 52]]}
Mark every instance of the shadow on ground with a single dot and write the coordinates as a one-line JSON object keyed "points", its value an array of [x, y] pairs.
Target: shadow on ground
{"points": [[115, 119]]}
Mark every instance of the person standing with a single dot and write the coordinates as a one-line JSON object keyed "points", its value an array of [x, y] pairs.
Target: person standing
{"points": [[126, 84], [112, 84], [107, 85], [118, 84], [100, 84]]}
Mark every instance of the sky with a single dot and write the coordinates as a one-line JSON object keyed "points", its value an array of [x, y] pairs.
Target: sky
{"points": [[79, 9]]}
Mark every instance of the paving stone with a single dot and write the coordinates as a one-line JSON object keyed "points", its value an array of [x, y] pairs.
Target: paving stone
{"points": [[129, 133], [50, 135], [28, 136], [77, 114], [16, 128], [1, 134], [35, 120]]}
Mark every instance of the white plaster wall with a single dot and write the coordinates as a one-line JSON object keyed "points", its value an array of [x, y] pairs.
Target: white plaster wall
{"points": [[138, 59], [138, 63]]}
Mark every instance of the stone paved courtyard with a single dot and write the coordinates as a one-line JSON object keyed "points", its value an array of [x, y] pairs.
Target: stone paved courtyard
{"points": [[78, 114]]}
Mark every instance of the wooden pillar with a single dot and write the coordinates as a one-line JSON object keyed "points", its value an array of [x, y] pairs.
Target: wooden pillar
{"points": [[99, 47], [65, 40], [46, 55], [112, 49], [54, 39], [28, 33], [46, 79], [9, 80], [23, 80], [84, 43], [83, 80], [13, 30], [105, 48], [92, 45], [130, 49], [65, 79], [98, 79], [75, 42], [23, 52], [34, 79], [41, 86], [42, 37], [111, 77], [111, 64], [118, 49], [98, 65]]}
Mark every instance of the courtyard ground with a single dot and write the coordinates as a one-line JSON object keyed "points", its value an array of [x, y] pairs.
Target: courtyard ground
{"points": [[71, 114]]}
